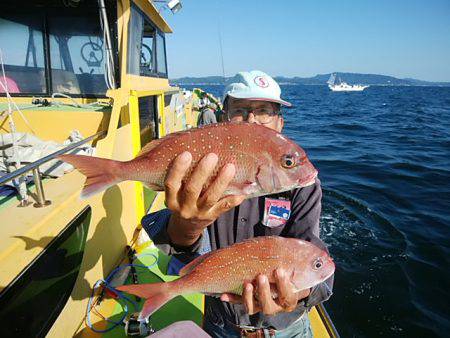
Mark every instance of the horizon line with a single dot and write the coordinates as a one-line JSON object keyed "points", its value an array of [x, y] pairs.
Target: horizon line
{"points": [[308, 77]]}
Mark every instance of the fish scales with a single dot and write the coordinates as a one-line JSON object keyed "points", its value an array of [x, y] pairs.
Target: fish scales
{"points": [[225, 270], [243, 261], [240, 148], [235, 151], [266, 161]]}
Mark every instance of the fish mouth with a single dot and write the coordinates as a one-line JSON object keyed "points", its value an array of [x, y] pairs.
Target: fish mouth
{"points": [[309, 180], [330, 270]]}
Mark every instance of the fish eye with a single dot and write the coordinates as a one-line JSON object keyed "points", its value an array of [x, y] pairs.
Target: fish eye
{"points": [[317, 264], [288, 161]]}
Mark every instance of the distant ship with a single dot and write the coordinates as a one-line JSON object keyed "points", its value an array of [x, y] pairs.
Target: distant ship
{"points": [[341, 86]]}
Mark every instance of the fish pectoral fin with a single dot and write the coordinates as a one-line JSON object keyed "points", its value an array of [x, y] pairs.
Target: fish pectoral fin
{"points": [[266, 178], [191, 266], [246, 188], [153, 304], [215, 295], [238, 290], [154, 187]]}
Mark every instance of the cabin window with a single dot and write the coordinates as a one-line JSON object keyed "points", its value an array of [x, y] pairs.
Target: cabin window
{"points": [[77, 55], [49, 47], [148, 118], [146, 46], [22, 45], [161, 53], [147, 65]]}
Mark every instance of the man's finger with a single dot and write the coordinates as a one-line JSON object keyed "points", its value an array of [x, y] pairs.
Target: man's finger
{"points": [[268, 306], [286, 296], [231, 298], [226, 203], [199, 176], [216, 189], [175, 176], [249, 300]]}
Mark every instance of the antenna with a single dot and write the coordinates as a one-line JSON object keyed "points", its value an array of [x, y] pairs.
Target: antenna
{"points": [[220, 46], [221, 54]]}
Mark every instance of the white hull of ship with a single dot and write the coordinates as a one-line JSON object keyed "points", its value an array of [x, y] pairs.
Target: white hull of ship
{"points": [[347, 88]]}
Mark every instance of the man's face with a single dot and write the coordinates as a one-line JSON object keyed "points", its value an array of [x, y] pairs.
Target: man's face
{"points": [[260, 112]]}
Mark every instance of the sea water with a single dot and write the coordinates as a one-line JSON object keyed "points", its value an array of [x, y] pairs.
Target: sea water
{"points": [[383, 157]]}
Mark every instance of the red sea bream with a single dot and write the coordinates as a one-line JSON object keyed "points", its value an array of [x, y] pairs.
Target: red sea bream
{"points": [[266, 161], [225, 270]]}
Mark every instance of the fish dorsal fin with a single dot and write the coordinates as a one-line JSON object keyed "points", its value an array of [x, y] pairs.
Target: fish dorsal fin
{"points": [[191, 266], [149, 147], [154, 143]]}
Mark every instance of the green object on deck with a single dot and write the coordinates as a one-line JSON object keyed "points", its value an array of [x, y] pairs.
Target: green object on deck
{"points": [[149, 197], [188, 307]]}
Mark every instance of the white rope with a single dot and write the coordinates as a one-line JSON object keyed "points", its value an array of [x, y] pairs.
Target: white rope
{"points": [[21, 181], [75, 103], [4, 85], [109, 59]]}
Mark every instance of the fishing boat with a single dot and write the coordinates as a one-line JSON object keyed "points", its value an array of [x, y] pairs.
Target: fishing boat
{"points": [[97, 70], [337, 85]]}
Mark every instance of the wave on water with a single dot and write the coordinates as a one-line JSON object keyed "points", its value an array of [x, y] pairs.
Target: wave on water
{"points": [[366, 247]]}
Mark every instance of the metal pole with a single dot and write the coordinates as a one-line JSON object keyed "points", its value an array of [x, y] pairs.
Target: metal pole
{"points": [[40, 197], [31, 166]]}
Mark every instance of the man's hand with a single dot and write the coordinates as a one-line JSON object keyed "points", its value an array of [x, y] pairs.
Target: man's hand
{"points": [[260, 299], [193, 211]]}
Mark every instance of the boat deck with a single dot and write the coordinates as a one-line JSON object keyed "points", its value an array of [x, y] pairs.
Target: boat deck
{"points": [[26, 231], [188, 307], [57, 107]]}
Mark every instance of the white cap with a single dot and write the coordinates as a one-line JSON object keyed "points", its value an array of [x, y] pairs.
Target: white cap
{"points": [[254, 85]]}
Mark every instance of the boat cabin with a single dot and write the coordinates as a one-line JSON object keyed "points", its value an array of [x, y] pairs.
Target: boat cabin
{"points": [[97, 70]]}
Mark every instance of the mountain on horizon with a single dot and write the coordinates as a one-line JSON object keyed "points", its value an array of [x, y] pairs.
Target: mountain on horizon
{"points": [[320, 79]]}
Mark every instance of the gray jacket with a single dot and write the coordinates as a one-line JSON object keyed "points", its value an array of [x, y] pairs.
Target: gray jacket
{"points": [[207, 116], [242, 222]]}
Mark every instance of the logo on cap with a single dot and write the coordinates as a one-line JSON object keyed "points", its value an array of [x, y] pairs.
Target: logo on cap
{"points": [[261, 81]]}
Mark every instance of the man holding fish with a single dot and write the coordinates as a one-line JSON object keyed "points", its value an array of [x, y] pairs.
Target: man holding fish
{"points": [[252, 97], [244, 196]]}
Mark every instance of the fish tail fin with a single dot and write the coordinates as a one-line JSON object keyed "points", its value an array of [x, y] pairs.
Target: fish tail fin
{"points": [[156, 295], [100, 173]]}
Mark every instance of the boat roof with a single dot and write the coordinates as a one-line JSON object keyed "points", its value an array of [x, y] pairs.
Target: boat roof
{"points": [[149, 8], [146, 6]]}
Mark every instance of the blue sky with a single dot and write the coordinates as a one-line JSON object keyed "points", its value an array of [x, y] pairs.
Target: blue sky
{"points": [[305, 37]]}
